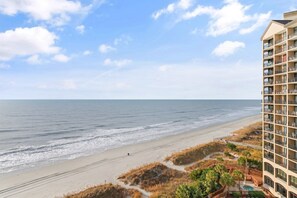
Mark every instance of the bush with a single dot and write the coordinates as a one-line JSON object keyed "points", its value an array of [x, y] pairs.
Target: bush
{"points": [[231, 146], [236, 194], [185, 191], [256, 194], [196, 174]]}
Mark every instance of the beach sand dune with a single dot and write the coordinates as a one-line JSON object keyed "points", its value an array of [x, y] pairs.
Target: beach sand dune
{"points": [[75, 175]]}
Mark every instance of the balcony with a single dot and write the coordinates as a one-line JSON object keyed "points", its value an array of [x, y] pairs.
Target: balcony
{"points": [[281, 153], [281, 163], [292, 102], [268, 73], [280, 71], [268, 82], [268, 64], [293, 135], [268, 55], [292, 124], [278, 51], [268, 129], [268, 92], [279, 41], [292, 91], [291, 47], [280, 81], [291, 36], [280, 132], [294, 147], [293, 169], [292, 80], [280, 102], [267, 45], [269, 156], [269, 148], [267, 138], [292, 58], [292, 69], [280, 142], [268, 120], [282, 92], [280, 122], [281, 112], [281, 177], [279, 62]]}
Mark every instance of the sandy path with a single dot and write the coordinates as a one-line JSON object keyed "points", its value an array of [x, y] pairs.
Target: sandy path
{"points": [[74, 175]]}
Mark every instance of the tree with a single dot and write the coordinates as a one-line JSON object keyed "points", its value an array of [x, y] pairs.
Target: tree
{"points": [[219, 168], [241, 161], [211, 179], [238, 175], [196, 174], [227, 180], [185, 191]]}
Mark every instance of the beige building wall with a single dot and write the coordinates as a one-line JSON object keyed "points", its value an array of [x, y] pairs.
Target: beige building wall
{"points": [[279, 106]]}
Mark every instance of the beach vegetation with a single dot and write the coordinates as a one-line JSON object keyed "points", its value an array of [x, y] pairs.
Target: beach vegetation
{"points": [[231, 146]]}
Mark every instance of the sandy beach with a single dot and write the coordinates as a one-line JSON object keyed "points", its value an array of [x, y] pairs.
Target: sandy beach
{"points": [[74, 175]]}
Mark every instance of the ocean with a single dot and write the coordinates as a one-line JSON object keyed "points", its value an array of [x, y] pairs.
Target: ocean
{"points": [[40, 132]]}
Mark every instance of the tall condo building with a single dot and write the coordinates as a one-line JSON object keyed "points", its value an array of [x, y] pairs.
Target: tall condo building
{"points": [[280, 106]]}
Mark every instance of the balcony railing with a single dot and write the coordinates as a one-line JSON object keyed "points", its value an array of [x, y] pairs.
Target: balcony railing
{"points": [[281, 163], [279, 61], [292, 47], [280, 102], [265, 55], [268, 129], [293, 80], [281, 92], [292, 58], [268, 101], [280, 122], [270, 139], [269, 157], [267, 64], [268, 83], [282, 112], [268, 110], [292, 91], [268, 73], [279, 132], [281, 177], [269, 148], [280, 50], [292, 124], [280, 81], [293, 135], [280, 71], [292, 35], [294, 147], [268, 92], [267, 45], [292, 102], [281, 143], [282, 153], [279, 41], [293, 169]]}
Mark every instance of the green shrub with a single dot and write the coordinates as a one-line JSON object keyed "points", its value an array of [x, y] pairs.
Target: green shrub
{"points": [[231, 146], [256, 194]]}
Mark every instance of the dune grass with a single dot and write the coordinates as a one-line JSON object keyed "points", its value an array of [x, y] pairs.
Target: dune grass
{"points": [[150, 177], [196, 153], [105, 191]]}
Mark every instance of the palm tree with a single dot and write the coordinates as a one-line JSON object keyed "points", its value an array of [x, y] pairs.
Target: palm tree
{"points": [[227, 180], [238, 175], [246, 154]]}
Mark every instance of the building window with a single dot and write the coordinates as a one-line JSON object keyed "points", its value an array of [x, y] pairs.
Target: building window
{"points": [[268, 167], [293, 181], [282, 190], [292, 195], [268, 181], [281, 174]]}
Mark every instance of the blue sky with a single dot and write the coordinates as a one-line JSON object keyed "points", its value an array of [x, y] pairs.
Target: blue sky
{"points": [[128, 49]]}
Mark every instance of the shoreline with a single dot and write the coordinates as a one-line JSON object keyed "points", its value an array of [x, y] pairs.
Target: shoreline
{"points": [[75, 175]]}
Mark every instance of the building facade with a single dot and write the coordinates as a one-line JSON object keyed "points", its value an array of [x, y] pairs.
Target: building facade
{"points": [[279, 106]]}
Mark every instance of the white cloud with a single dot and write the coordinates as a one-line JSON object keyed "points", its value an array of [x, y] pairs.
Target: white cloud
{"points": [[27, 41], [117, 63], [56, 12], [228, 18], [104, 48], [180, 5], [228, 48], [87, 52], [164, 68], [61, 58], [80, 29], [260, 21], [4, 66], [69, 84], [34, 60], [123, 39]]}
